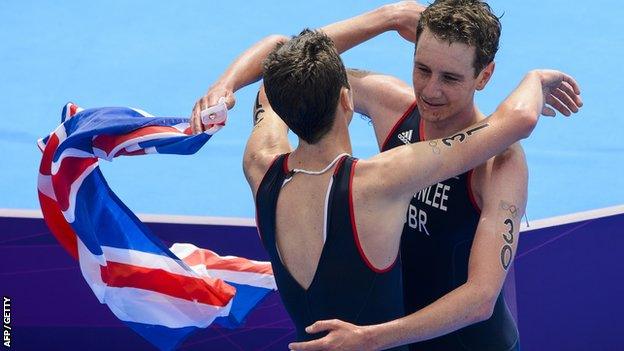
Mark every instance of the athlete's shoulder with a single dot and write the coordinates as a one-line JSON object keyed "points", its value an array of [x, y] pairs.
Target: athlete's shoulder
{"points": [[256, 167]]}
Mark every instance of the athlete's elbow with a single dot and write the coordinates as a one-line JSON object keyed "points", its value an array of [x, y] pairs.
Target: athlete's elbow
{"points": [[529, 121], [484, 313], [524, 118], [485, 303]]}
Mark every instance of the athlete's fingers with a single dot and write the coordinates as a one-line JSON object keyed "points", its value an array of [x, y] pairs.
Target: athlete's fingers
{"points": [[200, 125], [548, 112], [567, 88], [566, 100], [314, 345], [575, 86], [230, 101], [196, 120], [557, 105], [204, 104], [212, 100], [320, 326]]}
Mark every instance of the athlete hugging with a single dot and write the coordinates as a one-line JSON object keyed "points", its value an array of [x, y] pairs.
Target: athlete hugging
{"points": [[447, 190]]}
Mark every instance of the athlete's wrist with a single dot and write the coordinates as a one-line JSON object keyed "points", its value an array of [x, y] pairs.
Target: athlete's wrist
{"points": [[392, 17], [403, 18], [375, 336], [387, 18], [225, 83]]}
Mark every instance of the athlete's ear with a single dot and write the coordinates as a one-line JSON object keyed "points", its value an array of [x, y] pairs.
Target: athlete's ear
{"points": [[346, 99], [485, 75]]}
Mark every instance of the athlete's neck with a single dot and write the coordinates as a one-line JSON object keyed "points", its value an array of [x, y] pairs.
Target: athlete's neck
{"points": [[452, 124], [318, 156]]}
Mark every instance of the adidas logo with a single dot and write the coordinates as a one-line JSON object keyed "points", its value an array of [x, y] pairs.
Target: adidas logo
{"points": [[406, 137]]}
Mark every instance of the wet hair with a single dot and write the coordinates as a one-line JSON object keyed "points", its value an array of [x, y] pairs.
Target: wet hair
{"points": [[470, 22], [303, 78]]}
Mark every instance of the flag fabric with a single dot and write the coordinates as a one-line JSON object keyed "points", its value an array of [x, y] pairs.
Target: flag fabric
{"points": [[163, 294], [252, 279]]}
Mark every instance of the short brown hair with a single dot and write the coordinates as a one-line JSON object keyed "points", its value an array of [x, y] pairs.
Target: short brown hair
{"points": [[470, 22], [303, 78]]}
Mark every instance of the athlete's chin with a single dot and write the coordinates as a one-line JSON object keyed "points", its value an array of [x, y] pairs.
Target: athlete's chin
{"points": [[433, 116]]}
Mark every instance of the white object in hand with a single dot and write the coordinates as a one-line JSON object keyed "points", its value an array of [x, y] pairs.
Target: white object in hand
{"points": [[215, 114]]}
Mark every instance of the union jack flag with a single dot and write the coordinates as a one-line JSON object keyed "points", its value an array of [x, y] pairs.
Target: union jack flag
{"points": [[163, 294]]}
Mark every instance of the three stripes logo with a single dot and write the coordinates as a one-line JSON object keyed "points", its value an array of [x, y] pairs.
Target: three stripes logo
{"points": [[406, 137]]}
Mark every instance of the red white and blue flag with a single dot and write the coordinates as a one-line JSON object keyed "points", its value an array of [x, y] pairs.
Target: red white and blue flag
{"points": [[164, 294]]}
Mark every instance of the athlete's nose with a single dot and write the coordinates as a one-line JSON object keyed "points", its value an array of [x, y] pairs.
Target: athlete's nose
{"points": [[432, 89]]}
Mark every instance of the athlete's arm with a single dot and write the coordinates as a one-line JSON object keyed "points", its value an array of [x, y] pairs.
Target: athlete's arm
{"points": [[382, 98], [246, 69], [416, 166], [401, 17], [411, 167], [504, 184], [268, 139]]}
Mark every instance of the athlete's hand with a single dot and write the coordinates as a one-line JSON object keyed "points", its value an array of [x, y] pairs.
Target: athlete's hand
{"points": [[342, 336], [210, 99], [407, 15], [561, 92]]}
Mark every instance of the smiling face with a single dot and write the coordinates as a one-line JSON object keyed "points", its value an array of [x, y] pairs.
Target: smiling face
{"points": [[444, 78]]}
